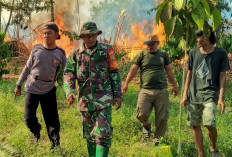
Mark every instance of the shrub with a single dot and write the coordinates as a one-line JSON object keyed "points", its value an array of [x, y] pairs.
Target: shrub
{"points": [[5, 55], [226, 43], [173, 48]]}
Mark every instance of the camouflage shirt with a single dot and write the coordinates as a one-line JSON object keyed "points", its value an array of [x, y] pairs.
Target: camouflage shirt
{"points": [[97, 76]]}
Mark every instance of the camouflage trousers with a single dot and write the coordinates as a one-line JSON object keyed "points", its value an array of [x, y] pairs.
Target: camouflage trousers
{"points": [[202, 114], [97, 126]]}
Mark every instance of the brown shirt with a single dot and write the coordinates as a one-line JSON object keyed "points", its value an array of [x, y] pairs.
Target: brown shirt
{"points": [[41, 68]]}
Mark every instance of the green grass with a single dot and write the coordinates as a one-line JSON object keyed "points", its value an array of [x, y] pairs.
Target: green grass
{"points": [[127, 138]]}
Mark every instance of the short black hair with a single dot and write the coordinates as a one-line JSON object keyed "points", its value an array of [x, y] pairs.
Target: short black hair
{"points": [[212, 36]]}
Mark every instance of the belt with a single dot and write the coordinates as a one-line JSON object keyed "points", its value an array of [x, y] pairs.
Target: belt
{"points": [[36, 77]]}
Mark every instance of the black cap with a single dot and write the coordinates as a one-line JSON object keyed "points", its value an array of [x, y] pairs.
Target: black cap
{"points": [[53, 26]]}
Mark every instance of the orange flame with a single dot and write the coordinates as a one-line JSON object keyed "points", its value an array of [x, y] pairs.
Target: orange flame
{"points": [[6, 38], [134, 44], [64, 42]]}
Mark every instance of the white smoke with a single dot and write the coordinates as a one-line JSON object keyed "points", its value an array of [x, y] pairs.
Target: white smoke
{"points": [[69, 11]]}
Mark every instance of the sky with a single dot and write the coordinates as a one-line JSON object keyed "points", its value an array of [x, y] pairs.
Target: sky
{"points": [[85, 6]]}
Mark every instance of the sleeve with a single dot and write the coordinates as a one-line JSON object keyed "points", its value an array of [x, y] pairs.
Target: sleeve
{"points": [[190, 60], [70, 75], [166, 59], [115, 78], [138, 58], [225, 65], [64, 61], [27, 69]]}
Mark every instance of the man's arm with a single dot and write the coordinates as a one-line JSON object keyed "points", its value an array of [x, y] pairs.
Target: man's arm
{"points": [[186, 87], [222, 83], [115, 78], [69, 78], [129, 77], [171, 79], [64, 61], [24, 74]]}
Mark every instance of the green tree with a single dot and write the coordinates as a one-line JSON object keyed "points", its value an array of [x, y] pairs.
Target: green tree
{"points": [[174, 49], [223, 6], [226, 43], [5, 54], [21, 10]]}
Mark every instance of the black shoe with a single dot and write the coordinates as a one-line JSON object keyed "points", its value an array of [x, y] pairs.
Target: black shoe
{"points": [[55, 145]]}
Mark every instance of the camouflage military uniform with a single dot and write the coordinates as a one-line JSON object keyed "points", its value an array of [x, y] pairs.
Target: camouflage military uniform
{"points": [[98, 82]]}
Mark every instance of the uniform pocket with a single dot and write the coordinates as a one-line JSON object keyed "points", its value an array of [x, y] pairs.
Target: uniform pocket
{"points": [[82, 72]]}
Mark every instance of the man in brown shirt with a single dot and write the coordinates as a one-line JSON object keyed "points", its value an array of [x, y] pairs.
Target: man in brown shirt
{"points": [[40, 73]]}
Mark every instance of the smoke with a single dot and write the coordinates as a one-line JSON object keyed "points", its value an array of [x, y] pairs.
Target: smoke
{"points": [[74, 13], [157, 2], [106, 15]]}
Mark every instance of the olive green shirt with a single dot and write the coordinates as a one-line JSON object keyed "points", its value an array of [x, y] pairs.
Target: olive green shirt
{"points": [[152, 72]]}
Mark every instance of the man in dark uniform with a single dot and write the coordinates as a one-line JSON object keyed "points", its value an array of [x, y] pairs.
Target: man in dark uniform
{"points": [[40, 75]]}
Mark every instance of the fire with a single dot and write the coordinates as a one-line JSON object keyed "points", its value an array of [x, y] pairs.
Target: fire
{"points": [[6, 38], [64, 42], [134, 44]]}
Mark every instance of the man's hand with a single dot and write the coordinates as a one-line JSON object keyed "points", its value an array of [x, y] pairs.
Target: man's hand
{"points": [[174, 90], [124, 89], [221, 105], [71, 99], [184, 101], [17, 92], [118, 102]]}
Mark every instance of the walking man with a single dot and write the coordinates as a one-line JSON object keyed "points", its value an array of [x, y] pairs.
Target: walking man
{"points": [[40, 74], [94, 67], [205, 88], [153, 64]]}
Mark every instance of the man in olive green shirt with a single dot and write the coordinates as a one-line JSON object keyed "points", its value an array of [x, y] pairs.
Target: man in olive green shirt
{"points": [[153, 64]]}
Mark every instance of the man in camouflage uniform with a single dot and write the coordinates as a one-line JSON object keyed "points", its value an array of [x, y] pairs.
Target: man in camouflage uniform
{"points": [[94, 66]]}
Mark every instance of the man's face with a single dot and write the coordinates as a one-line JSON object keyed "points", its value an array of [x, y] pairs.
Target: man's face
{"points": [[152, 47], [201, 41], [90, 40], [50, 36]]}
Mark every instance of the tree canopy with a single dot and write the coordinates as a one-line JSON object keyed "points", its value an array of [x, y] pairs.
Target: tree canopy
{"points": [[21, 10]]}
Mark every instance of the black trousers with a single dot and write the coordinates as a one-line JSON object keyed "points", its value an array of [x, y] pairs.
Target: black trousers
{"points": [[48, 104]]}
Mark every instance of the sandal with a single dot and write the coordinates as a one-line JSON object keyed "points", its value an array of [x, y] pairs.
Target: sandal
{"points": [[156, 141], [146, 132]]}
